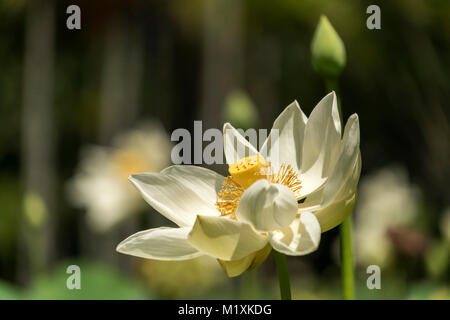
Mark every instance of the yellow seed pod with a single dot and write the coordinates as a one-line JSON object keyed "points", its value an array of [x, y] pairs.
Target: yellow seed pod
{"points": [[249, 169]]}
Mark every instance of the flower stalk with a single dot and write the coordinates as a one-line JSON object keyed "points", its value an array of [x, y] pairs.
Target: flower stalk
{"points": [[347, 274], [329, 59], [283, 275]]}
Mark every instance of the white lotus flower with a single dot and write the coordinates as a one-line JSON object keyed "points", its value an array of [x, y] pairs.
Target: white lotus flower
{"points": [[284, 204], [100, 184]]}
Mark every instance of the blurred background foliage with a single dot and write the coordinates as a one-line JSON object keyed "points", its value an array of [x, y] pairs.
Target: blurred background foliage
{"points": [[70, 98]]}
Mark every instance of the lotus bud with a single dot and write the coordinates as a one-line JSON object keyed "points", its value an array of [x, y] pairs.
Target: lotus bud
{"points": [[327, 50]]}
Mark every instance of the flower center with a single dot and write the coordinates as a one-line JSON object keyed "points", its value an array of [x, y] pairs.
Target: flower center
{"points": [[244, 173], [248, 170]]}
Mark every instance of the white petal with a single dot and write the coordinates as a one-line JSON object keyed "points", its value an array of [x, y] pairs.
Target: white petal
{"points": [[342, 204], [237, 267], [224, 238], [160, 244], [267, 206], [248, 263], [285, 140], [236, 146], [346, 162], [336, 200], [333, 214], [180, 192], [321, 144], [300, 238], [342, 174], [312, 180]]}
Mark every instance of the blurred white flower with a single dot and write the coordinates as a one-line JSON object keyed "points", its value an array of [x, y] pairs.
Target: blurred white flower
{"points": [[100, 184], [386, 200]]}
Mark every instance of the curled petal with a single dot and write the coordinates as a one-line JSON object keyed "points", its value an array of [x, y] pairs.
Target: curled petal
{"points": [[267, 206], [300, 238]]}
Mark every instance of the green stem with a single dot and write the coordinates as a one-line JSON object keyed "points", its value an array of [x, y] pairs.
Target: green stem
{"points": [[331, 84], [347, 276], [283, 275], [347, 272]]}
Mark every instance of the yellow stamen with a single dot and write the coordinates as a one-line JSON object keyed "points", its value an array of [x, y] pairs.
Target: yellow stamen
{"points": [[288, 177], [244, 173]]}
